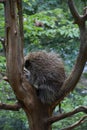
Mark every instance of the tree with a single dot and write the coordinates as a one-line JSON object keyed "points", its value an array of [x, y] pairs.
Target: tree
{"points": [[39, 115]]}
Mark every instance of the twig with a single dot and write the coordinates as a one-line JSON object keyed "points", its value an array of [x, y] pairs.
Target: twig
{"points": [[83, 119]]}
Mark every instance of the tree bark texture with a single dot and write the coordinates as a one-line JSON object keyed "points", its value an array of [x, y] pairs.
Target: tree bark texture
{"points": [[36, 112]]}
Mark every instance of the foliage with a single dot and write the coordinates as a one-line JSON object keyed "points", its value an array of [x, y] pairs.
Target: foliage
{"points": [[13, 120], [10, 120], [1, 21], [34, 6], [2, 64], [58, 33]]}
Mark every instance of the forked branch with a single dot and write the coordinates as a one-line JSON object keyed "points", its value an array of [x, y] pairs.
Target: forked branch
{"points": [[75, 75], [74, 11], [65, 115], [14, 52], [79, 19]]}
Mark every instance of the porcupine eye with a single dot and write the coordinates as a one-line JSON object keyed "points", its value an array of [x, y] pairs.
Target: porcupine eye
{"points": [[27, 64]]}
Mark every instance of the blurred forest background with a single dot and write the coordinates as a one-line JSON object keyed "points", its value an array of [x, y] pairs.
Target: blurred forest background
{"points": [[48, 25]]}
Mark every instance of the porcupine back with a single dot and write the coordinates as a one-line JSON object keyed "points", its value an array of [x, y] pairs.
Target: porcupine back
{"points": [[46, 74]]}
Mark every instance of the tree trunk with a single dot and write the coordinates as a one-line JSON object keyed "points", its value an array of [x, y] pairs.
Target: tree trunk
{"points": [[37, 113], [37, 118]]}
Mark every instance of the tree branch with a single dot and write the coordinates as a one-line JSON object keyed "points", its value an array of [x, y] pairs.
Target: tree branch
{"points": [[65, 115], [24, 92], [82, 120], [74, 11], [75, 75], [79, 19], [13, 42], [14, 107]]}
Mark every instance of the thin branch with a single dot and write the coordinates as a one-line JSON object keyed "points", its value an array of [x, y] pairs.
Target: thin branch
{"points": [[14, 107], [82, 120], [65, 115], [74, 11]]}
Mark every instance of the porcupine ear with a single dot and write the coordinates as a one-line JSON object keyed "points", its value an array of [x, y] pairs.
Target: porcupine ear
{"points": [[27, 63]]}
